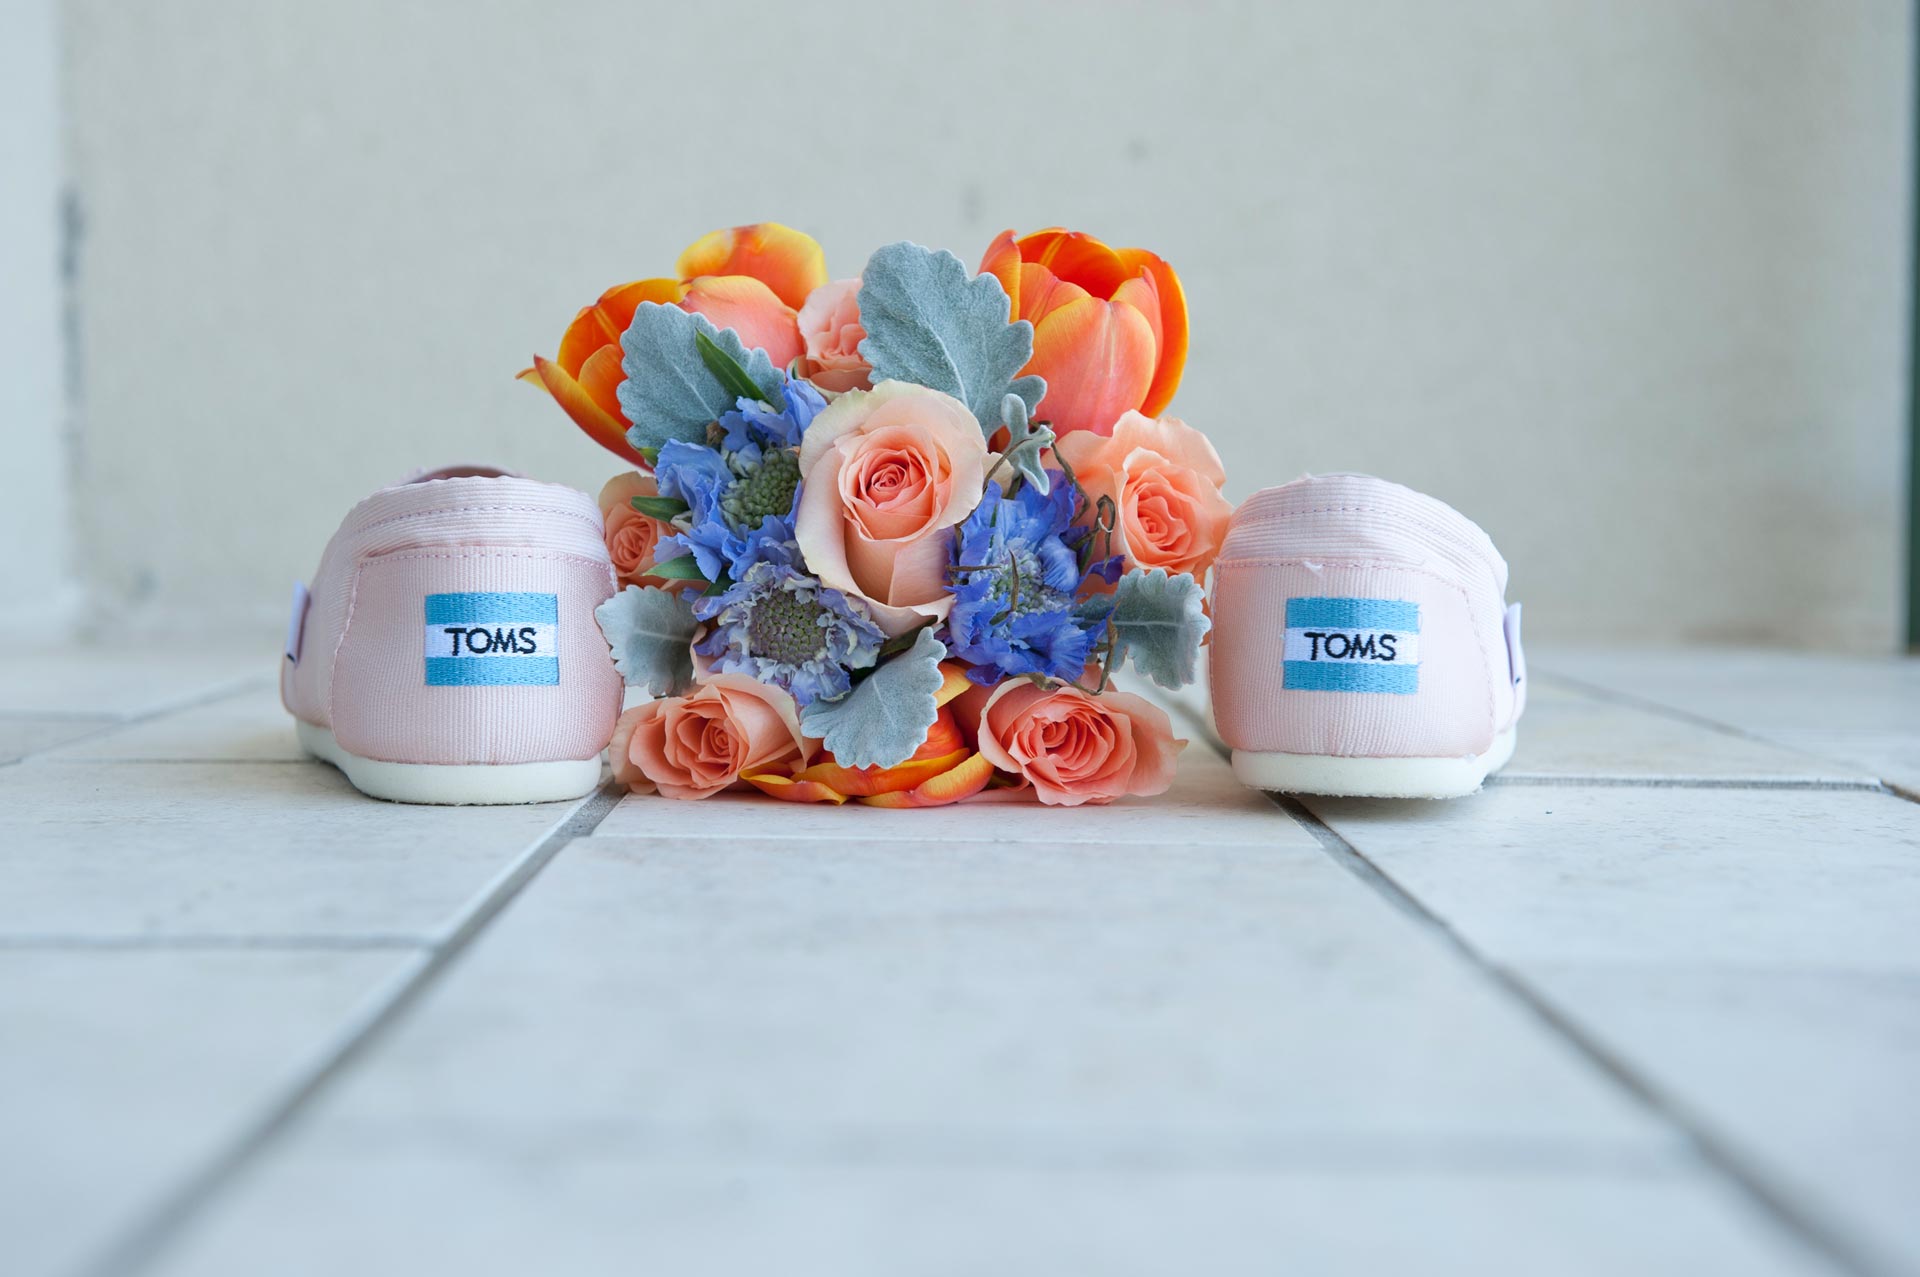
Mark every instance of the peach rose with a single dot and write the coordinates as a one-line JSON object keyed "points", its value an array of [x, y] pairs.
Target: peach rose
{"points": [[697, 745], [631, 536], [885, 473], [1165, 480], [830, 327], [1077, 748]]}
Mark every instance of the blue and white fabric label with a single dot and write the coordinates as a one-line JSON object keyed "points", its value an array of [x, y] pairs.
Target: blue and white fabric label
{"points": [[492, 640], [1352, 645]]}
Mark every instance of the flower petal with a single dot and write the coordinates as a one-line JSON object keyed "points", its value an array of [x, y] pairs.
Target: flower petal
{"points": [[1002, 261], [860, 782], [1172, 327], [1042, 292], [957, 683], [1098, 359], [603, 322], [963, 780], [793, 791], [787, 261], [1076, 257], [740, 302], [609, 430]]}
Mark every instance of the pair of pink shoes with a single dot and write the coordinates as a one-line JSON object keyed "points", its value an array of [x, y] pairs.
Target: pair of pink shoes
{"points": [[448, 651]]}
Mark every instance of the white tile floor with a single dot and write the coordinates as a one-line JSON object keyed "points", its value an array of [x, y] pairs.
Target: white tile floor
{"points": [[1649, 1004]]}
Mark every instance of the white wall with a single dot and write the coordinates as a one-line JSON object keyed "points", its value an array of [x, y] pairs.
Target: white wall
{"points": [[1623, 280], [36, 583]]}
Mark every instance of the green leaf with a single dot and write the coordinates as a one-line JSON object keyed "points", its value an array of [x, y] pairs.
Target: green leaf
{"points": [[670, 391], [661, 508], [651, 454], [684, 568], [931, 322], [1158, 622], [885, 718], [651, 633], [729, 373]]}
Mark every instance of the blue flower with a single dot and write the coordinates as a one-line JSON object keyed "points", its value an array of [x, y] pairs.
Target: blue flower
{"points": [[741, 491], [1015, 572], [778, 626]]}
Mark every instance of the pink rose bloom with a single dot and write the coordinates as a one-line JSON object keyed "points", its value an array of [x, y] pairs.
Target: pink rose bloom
{"points": [[1077, 748], [885, 475], [830, 328], [631, 536], [1165, 480], [759, 318], [697, 745]]}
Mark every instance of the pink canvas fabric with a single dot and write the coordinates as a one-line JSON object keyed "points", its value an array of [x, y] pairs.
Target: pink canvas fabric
{"points": [[1355, 537], [361, 670]]}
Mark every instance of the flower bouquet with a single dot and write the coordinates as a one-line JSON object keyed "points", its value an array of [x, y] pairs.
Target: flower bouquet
{"points": [[892, 538]]}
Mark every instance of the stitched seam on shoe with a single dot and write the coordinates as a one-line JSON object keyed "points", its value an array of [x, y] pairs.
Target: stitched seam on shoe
{"points": [[333, 662], [482, 552], [476, 509]]}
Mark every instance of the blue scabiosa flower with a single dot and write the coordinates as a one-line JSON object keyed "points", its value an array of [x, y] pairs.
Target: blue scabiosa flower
{"points": [[1015, 571], [779, 626], [741, 491]]}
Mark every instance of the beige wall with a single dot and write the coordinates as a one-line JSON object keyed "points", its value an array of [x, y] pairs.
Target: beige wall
{"points": [[1623, 279]]}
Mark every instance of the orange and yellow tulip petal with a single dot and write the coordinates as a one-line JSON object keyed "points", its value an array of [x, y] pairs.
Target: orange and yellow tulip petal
{"points": [[760, 319], [1077, 257], [793, 791], [860, 782], [1002, 261], [1140, 293], [609, 430], [1098, 359], [789, 262], [1042, 292], [601, 376], [1172, 327], [954, 682], [961, 781], [602, 323]]}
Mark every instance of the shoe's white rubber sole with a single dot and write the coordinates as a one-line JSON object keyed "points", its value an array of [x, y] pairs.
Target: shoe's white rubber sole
{"points": [[455, 785], [1372, 777]]}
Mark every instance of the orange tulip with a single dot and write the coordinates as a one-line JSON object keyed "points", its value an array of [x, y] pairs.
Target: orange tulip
{"points": [[785, 260], [943, 770], [586, 376], [751, 279], [760, 319], [1109, 325]]}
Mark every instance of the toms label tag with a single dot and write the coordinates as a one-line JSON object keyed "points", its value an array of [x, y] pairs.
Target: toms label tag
{"points": [[492, 640], [1352, 645]]}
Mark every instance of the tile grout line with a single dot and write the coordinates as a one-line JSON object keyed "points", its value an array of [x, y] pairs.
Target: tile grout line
{"points": [[141, 1244], [196, 700], [1775, 1203], [213, 943], [1601, 692], [1602, 780], [1772, 1201]]}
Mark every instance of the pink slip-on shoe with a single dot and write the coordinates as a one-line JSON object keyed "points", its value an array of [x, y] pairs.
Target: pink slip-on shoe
{"points": [[1362, 644], [448, 652]]}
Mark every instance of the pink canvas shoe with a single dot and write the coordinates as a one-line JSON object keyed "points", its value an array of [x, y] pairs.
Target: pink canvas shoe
{"points": [[1362, 644], [448, 651]]}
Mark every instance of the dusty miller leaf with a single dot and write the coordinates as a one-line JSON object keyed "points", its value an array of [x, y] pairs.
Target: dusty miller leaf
{"points": [[1025, 443], [930, 322], [670, 391], [884, 719], [1158, 622], [651, 633]]}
